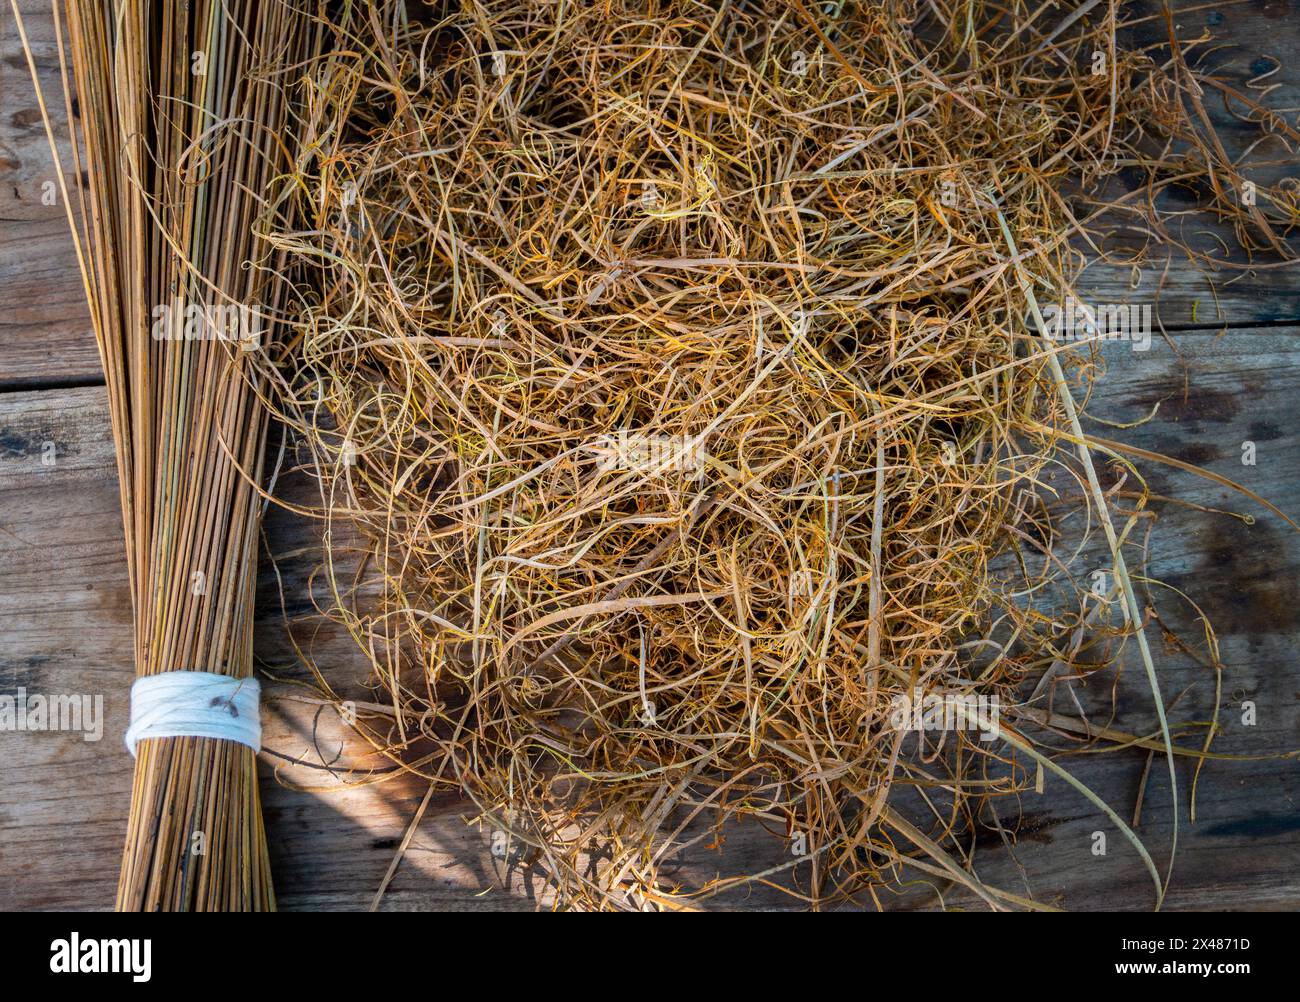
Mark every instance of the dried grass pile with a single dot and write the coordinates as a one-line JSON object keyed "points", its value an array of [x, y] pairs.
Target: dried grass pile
{"points": [[677, 362]]}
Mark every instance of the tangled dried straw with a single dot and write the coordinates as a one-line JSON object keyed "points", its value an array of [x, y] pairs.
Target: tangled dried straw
{"points": [[672, 360]]}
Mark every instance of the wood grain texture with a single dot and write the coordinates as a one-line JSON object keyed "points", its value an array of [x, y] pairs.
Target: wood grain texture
{"points": [[63, 800], [45, 332], [45, 329], [66, 616]]}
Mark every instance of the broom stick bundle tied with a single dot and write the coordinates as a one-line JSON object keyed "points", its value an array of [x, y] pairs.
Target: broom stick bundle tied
{"points": [[186, 139]]}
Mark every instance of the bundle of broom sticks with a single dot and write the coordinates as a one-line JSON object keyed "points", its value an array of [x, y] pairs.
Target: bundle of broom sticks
{"points": [[185, 139]]}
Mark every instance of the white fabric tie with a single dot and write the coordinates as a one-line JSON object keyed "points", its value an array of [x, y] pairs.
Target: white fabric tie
{"points": [[198, 704]]}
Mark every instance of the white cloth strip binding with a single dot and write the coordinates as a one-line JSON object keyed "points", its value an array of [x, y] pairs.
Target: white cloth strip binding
{"points": [[195, 704]]}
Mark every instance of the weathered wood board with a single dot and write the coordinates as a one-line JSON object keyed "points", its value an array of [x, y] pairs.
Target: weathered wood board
{"points": [[66, 618], [44, 328], [63, 800]]}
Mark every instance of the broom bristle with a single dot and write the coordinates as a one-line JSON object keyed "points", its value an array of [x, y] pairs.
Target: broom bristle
{"points": [[185, 109]]}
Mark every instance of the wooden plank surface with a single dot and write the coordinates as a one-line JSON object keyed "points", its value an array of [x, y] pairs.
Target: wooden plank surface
{"points": [[66, 614], [44, 326], [45, 333], [63, 800]]}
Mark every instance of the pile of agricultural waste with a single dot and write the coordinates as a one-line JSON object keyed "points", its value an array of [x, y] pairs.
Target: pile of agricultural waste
{"points": [[679, 366]]}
